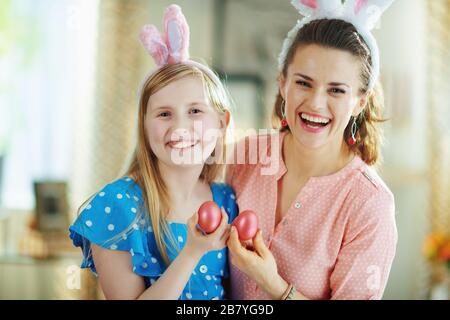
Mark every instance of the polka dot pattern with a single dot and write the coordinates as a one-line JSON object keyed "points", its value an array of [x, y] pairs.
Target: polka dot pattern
{"points": [[114, 219], [337, 240]]}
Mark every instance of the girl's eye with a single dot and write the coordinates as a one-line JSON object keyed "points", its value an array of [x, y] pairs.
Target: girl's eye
{"points": [[164, 114], [303, 83], [337, 90], [195, 111]]}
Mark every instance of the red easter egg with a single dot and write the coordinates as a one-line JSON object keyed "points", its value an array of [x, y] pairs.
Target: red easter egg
{"points": [[209, 216], [246, 224]]}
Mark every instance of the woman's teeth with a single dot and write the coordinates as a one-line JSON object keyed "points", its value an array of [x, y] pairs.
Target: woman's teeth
{"points": [[314, 121]]}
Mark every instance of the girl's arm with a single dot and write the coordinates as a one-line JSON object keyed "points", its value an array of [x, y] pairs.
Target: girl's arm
{"points": [[118, 281]]}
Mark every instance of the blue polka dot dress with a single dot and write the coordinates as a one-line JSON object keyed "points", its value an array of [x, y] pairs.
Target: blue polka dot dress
{"points": [[116, 219]]}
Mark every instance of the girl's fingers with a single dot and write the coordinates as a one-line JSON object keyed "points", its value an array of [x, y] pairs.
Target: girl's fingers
{"points": [[224, 221], [193, 220], [222, 226]]}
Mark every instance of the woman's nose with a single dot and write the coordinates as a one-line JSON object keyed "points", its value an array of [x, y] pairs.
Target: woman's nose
{"points": [[318, 100]]}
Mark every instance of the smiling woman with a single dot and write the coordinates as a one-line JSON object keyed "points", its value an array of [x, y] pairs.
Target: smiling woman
{"points": [[345, 79], [327, 219]]}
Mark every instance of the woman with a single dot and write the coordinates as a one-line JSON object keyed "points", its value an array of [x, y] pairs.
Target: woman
{"points": [[327, 228]]}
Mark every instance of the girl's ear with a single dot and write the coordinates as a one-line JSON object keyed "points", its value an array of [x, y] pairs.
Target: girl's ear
{"points": [[225, 119]]}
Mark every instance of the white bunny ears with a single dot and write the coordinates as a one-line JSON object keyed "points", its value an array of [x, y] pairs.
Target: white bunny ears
{"points": [[363, 14]]}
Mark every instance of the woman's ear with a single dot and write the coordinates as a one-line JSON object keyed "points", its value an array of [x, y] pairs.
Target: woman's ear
{"points": [[281, 84], [362, 102]]}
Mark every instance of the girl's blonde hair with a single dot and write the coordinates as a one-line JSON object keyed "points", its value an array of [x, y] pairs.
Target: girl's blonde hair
{"points": [[144, 164], [334, 33]]}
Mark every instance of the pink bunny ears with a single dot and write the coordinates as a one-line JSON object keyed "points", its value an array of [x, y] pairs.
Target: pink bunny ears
{"points": [[363, 14], [173, 45]]}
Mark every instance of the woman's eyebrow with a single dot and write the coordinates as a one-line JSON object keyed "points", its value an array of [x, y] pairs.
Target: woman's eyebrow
{"points": [[304, 76], [312, 80]]}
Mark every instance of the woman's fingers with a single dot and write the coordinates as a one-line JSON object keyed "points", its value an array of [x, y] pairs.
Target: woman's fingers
{"points": [[259, 245], [234, 244]]}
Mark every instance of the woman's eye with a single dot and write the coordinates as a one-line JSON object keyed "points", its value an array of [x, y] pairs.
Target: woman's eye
{"points": [[337, 90], [303, 83]]}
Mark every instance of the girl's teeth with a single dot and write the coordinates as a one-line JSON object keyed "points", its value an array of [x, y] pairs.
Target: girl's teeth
{"points": [[182, 145]]}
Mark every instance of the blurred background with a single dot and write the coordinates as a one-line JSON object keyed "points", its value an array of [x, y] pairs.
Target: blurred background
{"points": [[69, 75]]}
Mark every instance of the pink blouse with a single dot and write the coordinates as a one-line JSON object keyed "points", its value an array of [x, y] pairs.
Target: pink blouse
{"points": [[338, 238]]}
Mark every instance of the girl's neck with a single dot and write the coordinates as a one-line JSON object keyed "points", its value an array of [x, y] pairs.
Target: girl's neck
{"points": [[182, 183], [306, 162]]}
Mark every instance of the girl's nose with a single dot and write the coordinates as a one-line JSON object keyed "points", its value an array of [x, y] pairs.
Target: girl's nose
{"points": [[180, 133]]}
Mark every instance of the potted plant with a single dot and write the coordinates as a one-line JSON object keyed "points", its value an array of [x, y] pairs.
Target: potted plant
{"points": [[436, 249]]}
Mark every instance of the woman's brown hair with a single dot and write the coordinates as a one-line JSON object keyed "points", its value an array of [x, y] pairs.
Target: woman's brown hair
{"points": [[338, 34]]}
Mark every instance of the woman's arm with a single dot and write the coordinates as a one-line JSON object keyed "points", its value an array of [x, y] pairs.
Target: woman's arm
{"points": [[259, 265], [118, 281]]}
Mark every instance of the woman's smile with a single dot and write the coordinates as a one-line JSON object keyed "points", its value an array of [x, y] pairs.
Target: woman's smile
{"points": [[313, 123]]}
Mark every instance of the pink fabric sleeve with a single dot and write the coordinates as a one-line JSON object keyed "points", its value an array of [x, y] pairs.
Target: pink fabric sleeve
{"points": [[367, 252]]}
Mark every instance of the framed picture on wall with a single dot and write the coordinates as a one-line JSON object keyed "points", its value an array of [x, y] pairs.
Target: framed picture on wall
{"points": [[51, 206]]}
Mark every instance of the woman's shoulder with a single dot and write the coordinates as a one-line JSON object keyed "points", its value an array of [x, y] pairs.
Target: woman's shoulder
{"points": [[369, 179], [372, 192]]}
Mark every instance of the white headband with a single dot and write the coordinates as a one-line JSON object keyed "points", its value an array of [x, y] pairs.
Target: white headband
{"points": [[362, 14]]}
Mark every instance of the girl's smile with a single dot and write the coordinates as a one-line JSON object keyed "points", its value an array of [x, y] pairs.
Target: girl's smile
{"points": [[179, 123]]}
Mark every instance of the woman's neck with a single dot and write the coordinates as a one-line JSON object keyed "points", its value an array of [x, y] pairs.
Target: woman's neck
{"points": [[318, 162]]}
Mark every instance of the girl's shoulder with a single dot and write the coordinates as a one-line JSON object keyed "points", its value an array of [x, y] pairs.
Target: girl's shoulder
{"points": [[115, 218], [122, 188], [111, 210]]}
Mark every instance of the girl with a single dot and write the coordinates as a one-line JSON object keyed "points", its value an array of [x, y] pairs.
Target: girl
{"points": [[139, 233], [327, 219]]}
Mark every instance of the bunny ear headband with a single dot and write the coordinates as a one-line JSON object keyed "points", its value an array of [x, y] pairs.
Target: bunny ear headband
{"points": [[362, 14], [171, 46]]}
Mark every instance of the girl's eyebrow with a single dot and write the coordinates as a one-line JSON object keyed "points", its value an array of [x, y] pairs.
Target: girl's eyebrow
{"points": [[339, 84], [161, 107], [312, 80], [194, 103]]}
